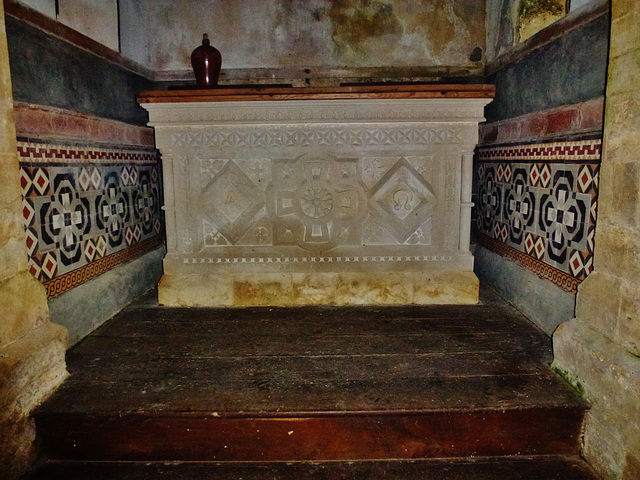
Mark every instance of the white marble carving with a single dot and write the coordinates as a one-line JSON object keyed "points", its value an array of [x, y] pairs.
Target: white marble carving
{"points": [[304, 186]]}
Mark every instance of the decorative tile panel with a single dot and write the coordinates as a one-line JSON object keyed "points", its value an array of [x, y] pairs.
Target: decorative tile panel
{"points": [[84, 205], [539, 203]]}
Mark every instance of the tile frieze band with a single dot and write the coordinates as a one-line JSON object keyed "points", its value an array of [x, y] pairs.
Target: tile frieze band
{"points": [[87, 209], [66, 282], [578, 151], [541, 201], [48, 153]]}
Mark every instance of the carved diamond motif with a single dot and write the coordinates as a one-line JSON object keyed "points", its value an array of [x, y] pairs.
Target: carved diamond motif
{"points": [[404, 199], [232, 202]]}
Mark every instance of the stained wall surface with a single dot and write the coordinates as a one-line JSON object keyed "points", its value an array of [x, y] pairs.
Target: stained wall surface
{"points": [[512, 22], [538, 168], [295, 34], [100, 25], [46, 7]]}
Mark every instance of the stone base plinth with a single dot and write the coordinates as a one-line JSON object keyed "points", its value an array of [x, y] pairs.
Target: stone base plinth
{"points": [[30, 368], [86, 307], [609, 377], [297, 289]]}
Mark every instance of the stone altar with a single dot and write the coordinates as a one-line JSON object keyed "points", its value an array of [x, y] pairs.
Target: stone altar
{"points": [[303, 196]]}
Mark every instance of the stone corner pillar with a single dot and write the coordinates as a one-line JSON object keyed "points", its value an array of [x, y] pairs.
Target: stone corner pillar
{"points": [[30, 368], [31, 347], [599, 350]]}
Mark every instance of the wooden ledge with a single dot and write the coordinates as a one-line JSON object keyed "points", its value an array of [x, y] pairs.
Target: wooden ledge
{"points": [[255, 93]]}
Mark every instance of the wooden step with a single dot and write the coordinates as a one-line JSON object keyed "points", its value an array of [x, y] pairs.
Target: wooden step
{"points": [[520, 468], [339, 436], [311, 384]]}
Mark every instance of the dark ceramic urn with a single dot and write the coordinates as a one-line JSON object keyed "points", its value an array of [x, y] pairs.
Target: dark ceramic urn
{"points": [[206, 61]]}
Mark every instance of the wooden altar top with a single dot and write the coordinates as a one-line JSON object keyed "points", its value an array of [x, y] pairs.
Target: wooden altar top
{"points": [[257, 92]]}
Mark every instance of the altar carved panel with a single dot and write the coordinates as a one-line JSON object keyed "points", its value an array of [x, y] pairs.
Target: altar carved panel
{"points": [[313, 202]]}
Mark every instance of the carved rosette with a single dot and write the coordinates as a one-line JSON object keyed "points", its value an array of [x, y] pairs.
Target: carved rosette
{"points": [[316, 202]]}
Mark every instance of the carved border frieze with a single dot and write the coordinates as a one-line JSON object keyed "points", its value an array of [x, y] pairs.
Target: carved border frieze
{"points": [[320, 259], [288, 136]]}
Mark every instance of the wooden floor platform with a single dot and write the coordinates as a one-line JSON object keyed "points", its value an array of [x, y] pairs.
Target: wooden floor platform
{"points": [[313, 385]]}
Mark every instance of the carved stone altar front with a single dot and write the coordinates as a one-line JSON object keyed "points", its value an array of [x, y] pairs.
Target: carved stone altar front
{"points": [[315, 201]]}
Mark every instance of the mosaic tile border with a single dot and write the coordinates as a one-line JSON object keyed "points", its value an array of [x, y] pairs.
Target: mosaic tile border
{"points": [[50, 153], [543, 270], [66, 282], [540, 200], [577, 151]]}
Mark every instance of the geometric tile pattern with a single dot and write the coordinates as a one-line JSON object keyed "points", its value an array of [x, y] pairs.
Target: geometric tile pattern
{"points": [[541, 201], [62, 283], [561, 279], [99, 203]]}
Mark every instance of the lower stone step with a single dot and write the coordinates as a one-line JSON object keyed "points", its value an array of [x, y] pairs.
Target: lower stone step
{"points": [[516, 468]]}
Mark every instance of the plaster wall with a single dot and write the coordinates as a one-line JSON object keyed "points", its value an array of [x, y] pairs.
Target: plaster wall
{"points": [[600, 349], [500, 27], [47, 70], [296, 34], [567, 70], [100, 25], [577, 4], [46, 7]]}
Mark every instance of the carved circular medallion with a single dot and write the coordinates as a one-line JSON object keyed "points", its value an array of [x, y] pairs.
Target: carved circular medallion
{"points": [[316, 202]]}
